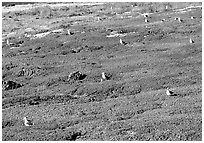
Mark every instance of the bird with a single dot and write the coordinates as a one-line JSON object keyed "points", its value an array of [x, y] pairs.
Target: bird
{"points": [[69, 33], [163, 20], [191, 41], [27, 122], [104, 77], [146, 20], [192, 17], [7, 42], [169, 92], [145, 15], [122, 42], [179, 19], [99, 18]]}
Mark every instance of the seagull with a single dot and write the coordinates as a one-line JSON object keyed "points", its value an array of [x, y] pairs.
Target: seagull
{"points": [[69, 33], [145, 15], [122, 42], [7, 42], [192, 17], [191, 41], [179, 19], [163, 20], [168, 92], [104, 77], [27, 122], [146, 20], [99, 19]]}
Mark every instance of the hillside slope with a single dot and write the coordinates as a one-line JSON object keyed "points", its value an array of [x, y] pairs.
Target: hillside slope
{"points": [[53, 58]]}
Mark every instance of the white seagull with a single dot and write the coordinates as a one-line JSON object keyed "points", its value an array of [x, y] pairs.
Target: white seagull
{"points": [[27, 122], [104, 77], [169, 92], [192, 17], [69, 33], [99, 18], [163, 20], [146, 20], [122, 42], [145, 15], [179, 19], [191, 41], [7, 42]]}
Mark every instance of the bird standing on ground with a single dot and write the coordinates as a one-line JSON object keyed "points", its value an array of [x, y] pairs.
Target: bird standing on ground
{"points": [[7, 42], [27, 122], [104, 77], [192, 17], [169, 92], [99, 18], [163, 20], [69, 33], [180, 20], [191, 41], [145, 15], [146, 20], [122, 42]]}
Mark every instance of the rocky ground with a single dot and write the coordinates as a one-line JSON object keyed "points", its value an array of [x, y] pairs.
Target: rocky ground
{"points": [[53, 56]]}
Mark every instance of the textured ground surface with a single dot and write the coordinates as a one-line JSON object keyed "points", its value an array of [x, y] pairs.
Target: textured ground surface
{"points": [[132, 104]]}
